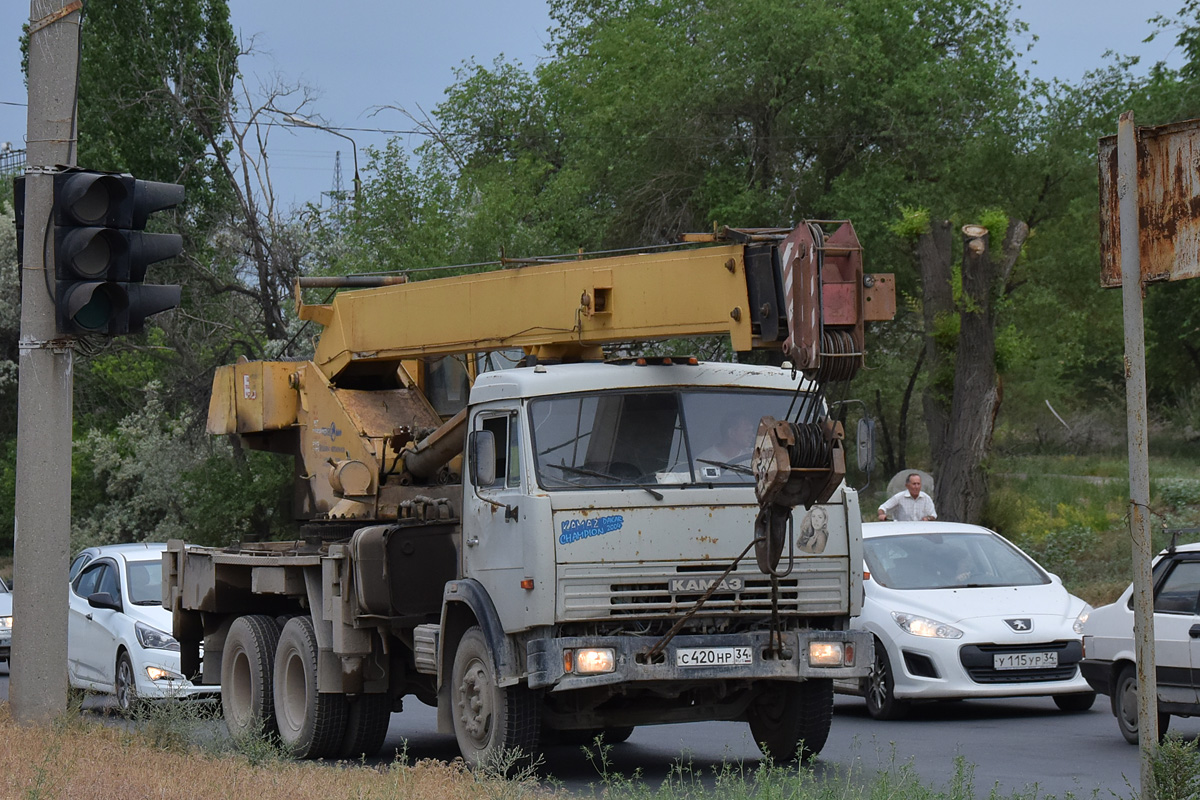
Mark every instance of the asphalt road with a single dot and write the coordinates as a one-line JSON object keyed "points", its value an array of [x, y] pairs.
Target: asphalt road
{"points": [[1013, 745]]}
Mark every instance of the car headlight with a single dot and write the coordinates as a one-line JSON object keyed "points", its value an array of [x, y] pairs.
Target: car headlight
{"points": [[6, 624], [924, 626], [154, 639], [1077, 625], [160, 674]]}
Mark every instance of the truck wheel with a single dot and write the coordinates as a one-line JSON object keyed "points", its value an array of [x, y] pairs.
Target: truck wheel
{"points": [[489, 720], [879, 689], [311, 724], [1125, 706], [367, 718], [246, 667], [790, 720]]}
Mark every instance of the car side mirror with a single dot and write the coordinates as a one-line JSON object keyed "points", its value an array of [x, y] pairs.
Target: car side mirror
{"points": [[483, 458], [103, 600]]}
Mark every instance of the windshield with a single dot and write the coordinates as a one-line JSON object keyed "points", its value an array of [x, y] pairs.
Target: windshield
{"points": [[145, 582], [650, 437], [944, 561]]}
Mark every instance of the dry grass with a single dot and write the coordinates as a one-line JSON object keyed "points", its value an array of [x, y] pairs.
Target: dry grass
{"points": [[77, 758]]}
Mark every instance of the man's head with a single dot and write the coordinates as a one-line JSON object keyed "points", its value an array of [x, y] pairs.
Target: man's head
{"points": [[740, 427], [913, 484]]}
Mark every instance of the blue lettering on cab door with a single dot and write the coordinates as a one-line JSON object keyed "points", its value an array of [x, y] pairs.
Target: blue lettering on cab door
{"points": [[574, 530]]}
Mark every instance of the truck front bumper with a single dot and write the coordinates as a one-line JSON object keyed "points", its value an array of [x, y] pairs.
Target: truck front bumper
{"points": [[549, 669]]}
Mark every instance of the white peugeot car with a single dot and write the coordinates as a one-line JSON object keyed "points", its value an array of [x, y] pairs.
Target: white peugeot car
{"points": [[1110, 666], [957, 612], [118, 635]]}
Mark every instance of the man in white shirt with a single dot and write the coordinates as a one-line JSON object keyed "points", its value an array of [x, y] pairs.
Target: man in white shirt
{"points": [[911, 505]]}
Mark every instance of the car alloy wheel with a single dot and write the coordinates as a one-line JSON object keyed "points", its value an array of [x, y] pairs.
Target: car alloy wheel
{"points": [[879, 688], [126, 685]]}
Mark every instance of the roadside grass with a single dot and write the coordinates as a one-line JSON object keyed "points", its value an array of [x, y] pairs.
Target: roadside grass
{"points": [[77, 757], [1070, 514], [170, 751], [80, 757]]}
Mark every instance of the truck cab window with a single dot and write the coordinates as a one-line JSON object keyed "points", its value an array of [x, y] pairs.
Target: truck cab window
{"points": [[650, 437]]}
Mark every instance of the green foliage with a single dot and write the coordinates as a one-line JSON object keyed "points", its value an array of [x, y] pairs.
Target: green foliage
{"points": [[154, 77], [244, 498], [156, 477], [911, 223], [1177, 492], [1176, 769]]}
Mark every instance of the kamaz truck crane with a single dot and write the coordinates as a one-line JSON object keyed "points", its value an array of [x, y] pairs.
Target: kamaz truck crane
{"points": [[546, 552]]}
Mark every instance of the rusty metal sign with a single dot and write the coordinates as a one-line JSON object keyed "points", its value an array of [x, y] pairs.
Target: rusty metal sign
{"points": [[1168, 193]]}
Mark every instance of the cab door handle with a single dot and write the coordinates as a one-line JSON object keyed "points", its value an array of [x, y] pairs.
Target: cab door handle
{"points": [[1194, 631]]}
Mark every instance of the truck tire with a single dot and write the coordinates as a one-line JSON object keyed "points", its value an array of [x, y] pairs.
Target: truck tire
{"points": [[790, 720], [367, 718], [311, 724], [1125, 706], [489, 720], [247, 663]]}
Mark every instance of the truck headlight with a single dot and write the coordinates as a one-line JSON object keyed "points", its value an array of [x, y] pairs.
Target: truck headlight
{"points": [[830, 654], [924, 626], [589, 660]]}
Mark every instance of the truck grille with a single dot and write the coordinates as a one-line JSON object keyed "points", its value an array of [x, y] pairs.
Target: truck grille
{"points": [[603, 591]]}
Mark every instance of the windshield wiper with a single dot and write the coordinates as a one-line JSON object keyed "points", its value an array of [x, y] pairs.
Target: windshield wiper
{"points": [[724, 465], [604, 475]]}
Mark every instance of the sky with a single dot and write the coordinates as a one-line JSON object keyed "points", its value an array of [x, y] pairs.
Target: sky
{"points": [[360, 56]]}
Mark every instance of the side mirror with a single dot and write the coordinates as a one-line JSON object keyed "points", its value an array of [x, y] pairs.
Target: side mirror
{"points": [[103, 600], [483, 458], [865, 442]]}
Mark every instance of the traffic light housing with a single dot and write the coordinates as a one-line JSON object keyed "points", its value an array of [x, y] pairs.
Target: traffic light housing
{"points": [[101, 251]]}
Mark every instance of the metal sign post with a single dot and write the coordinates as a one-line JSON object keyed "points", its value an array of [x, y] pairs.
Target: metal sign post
{"points": [[1139, 456], [1149, 182]]}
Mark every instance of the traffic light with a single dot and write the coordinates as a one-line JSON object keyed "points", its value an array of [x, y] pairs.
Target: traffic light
{"points": [[101, 251]]}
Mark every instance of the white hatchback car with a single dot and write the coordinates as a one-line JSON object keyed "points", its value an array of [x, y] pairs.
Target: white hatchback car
{"points": [[118, 639], [1110, 666], [960, 612]]}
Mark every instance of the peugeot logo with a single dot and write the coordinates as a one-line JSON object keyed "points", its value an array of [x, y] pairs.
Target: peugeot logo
{"points": [[1021, 624]]}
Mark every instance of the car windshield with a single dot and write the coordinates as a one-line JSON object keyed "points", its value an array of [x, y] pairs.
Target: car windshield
{"points": [[145, 582], [645, 438], [946, 561]]}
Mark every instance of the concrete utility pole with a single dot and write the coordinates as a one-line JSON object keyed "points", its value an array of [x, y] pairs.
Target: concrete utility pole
{"points": [[38, 667]]}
